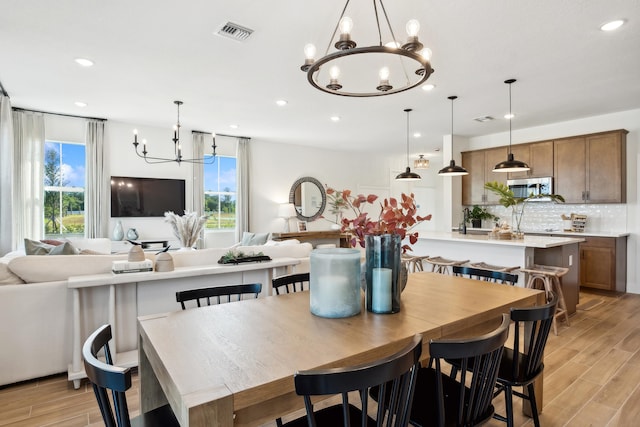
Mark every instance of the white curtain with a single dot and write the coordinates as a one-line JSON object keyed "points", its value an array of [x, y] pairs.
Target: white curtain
{"points": [[97, 192], [6, 176], [242, 177], [197, 187], [28, 203]]}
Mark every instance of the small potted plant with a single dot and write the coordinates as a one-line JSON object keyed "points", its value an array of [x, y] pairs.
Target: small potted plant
{"points": [[477, 214]]}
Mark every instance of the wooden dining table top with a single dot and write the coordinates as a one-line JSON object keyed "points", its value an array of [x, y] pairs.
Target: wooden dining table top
{"points": [[233, 364]]}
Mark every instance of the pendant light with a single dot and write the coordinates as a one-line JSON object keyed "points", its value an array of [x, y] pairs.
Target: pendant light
{"points": [[452, 169], [511, 165], [407, 175]]}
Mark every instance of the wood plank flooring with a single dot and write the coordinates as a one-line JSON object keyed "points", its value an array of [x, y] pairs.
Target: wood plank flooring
{"points": [[592, 377]]}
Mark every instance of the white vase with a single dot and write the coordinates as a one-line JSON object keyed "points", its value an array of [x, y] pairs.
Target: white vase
{"points": [[118, 231]]}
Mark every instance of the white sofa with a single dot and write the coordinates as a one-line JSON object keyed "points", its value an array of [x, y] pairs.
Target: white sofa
{"points": [[36, 305]]}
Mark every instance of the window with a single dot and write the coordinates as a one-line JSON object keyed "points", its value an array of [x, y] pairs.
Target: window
{"points": [[64, 184], [220, 191]]}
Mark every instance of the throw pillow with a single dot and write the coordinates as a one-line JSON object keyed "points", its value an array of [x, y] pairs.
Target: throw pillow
{"points": [[246, 238], [34, 247], [259, 239], [52, 242]]}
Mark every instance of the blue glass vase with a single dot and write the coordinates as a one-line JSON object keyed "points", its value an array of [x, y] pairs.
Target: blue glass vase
{"points": [[383, 273], [334, 282]]}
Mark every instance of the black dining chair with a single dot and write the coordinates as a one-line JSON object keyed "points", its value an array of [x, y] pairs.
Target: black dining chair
{"points": [[393, 376], [108, 379], [486, 275], [290, 283], [520, 367], [440, 400], [218, 294]]}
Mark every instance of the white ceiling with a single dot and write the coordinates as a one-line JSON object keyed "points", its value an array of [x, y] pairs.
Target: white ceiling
{"points": [[148, 53]]}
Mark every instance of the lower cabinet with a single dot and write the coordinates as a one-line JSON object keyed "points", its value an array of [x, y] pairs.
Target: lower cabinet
{"points": [[603, 263]]}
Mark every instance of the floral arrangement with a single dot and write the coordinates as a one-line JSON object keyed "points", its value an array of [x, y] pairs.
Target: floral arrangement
{"points": [[335, 203], [186, 227], [395, 217]]}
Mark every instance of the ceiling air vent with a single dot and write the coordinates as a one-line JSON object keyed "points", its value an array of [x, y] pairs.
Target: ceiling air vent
{"points": [[234, 31], [484, 119]]}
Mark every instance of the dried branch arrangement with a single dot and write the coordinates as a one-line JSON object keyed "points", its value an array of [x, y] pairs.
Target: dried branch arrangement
{"points": [[186, 227]]}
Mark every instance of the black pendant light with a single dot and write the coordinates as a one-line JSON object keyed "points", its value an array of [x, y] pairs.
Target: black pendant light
{"points": [[407, 175], [511, 165], [452, 169]]}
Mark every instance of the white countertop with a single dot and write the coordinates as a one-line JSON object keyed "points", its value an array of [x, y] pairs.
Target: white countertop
{"points": [[528, 241], [561, 233]]}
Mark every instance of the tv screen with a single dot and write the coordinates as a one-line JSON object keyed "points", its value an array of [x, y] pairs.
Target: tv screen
{"points": [[146, 197]]}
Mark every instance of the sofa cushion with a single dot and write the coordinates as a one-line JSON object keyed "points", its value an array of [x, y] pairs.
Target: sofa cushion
{"points": [[199, 257], [7, 277], [36, 269]]}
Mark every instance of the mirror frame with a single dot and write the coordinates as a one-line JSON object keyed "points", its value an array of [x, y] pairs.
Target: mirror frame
{"points": [[317, 183]]}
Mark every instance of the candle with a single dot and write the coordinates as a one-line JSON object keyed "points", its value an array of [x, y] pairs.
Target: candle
{"points": [[335, 282], [135, 135], [381, 290]]}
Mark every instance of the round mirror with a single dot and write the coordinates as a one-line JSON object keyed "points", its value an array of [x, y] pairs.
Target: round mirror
{"points": [[308, 197]]}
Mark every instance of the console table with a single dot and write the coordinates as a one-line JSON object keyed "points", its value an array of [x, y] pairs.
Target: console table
{"points": [[155, 293], [316, 237]]}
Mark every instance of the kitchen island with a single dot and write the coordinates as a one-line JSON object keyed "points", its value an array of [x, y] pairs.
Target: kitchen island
{"points": [[545, 250]]}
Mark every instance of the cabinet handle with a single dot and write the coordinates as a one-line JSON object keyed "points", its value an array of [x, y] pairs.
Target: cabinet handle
{"points": [[587, 196], [583, 196]]}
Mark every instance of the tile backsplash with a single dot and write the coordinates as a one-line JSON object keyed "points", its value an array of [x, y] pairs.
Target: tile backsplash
{"points": [[548, 216]]}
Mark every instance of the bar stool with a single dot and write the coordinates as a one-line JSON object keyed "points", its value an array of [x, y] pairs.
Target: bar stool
{"points": [[441, 265], [413, 263], [547, 277], [485, 266]]}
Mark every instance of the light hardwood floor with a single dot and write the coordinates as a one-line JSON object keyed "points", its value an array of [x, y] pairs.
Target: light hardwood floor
{"points": [[592, 377]]}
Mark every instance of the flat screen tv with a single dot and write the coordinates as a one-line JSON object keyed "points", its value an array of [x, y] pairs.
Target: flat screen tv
{"points": [[146, 197]]}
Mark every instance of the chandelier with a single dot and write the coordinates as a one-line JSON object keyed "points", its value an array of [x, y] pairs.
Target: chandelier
{"points": [[399, 66], [421, 162], [206, 159]]}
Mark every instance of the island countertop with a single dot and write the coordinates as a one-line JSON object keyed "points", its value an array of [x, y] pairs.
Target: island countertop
{"points": [[527, 242]]}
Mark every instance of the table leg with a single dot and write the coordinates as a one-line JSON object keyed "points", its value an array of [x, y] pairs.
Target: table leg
{"points": [[77, 351]]}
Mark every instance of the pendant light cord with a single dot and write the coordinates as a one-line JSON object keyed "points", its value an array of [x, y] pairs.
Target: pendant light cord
{"points": [[408, 110]]}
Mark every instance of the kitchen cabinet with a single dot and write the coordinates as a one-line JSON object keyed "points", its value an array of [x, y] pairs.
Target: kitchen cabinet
{"points": [[539, 157], [591, 168], [479, 164], [603, 263]]}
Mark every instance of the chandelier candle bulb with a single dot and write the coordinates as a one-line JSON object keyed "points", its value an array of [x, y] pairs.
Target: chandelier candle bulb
{"points": [[381, 290]]}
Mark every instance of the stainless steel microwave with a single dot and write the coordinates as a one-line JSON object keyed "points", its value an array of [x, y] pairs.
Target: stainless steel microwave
{"points": [[526, 187]]}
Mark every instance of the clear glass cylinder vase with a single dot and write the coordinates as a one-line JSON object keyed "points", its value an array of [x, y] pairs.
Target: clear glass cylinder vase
{"points": [[383, 273], [334, 282]]}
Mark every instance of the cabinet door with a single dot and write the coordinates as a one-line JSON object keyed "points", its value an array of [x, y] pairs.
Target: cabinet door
{"points": [[541, 159], [598, 263], [494, 156], [606, 168], [521, 152], [473, 184], [569, 159]]}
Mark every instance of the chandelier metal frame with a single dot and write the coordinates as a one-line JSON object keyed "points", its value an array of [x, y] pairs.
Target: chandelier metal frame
{"points": [[347, 47], [207, 159]]}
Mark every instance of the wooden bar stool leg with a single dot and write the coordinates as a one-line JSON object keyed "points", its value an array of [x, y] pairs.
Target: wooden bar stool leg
{"points": [[561, 303]]}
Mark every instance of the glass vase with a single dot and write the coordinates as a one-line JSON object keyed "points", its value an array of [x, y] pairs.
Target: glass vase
{"points": [[334, 282], [383, 273]]}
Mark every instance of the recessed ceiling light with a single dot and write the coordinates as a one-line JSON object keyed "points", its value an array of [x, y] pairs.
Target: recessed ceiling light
{"points": [[281, 102], [417, 135], [80, 104], [428, 87], [509, 116], [612, 25], [335, 118], [233, 126], [84, 62]]}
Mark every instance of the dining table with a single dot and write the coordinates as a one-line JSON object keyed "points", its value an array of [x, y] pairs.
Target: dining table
{"points": [[233, 364]]}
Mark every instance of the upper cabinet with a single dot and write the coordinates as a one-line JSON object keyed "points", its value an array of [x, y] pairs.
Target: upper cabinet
{"points": [[480, 165], [591, 168], [539, 157], [586, 169]]}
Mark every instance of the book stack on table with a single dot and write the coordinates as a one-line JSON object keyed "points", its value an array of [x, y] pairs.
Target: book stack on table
{"points": [[124, 266]]}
